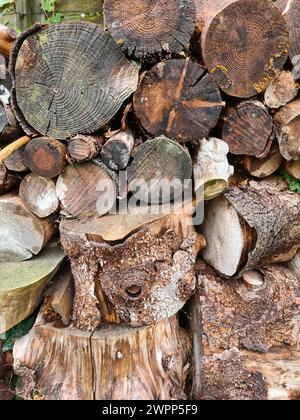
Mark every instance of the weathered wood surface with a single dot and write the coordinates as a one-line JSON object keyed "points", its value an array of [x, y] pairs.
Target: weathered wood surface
{"points": [[287, 120]]}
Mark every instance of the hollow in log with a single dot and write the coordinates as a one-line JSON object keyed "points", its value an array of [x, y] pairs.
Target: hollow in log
{"points": [[83, 148], [287, 120], [116, 152]]}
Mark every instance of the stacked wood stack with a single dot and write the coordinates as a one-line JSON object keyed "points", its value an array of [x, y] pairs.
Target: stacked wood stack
{"points": [[104, 134]]}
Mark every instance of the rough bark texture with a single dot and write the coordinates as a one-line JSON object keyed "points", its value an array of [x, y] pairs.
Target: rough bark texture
{"points": [[117, 363], [244, 42], [262, 168], [282, 90], [68, 79], [116, 152], [178, 99], [85, 148]]}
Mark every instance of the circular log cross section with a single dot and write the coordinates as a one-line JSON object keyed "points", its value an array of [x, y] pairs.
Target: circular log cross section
{"points": [[143, 27], [179, 100], [68, 79], [244, 42]]}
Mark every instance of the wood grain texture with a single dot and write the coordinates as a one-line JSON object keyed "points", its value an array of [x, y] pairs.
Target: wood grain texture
{"points": [[83, 148], [262, 168], [16, 162], [282, 90], [287, 120], [116, 153]]}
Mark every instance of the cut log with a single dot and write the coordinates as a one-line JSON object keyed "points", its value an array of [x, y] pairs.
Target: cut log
{"points": [[288, 121], [115, 363], [116, 152], [23, 235], [212, 167], [159, 170], [150, 27], [248, 129], [39, 195], [16, 162], [131, 269], [262, 168], [22, 285], [7, 39], [87, 190], [282, 90], [45, 157], [85, 148], [178, 99], [85, 79], [251, 227], [7, 180], [293, 168], [12, 148], [9, 127], [244, 43]]}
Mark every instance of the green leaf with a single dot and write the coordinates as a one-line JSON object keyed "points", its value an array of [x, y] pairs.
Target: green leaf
{"points": [[48, 5], [293, 183], [56, 18], [16, 333]]}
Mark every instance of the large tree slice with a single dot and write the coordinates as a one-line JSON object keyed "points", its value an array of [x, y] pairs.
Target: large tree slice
{"points": [[150, 27], [68, 79], [22, 284], [178, 99]]}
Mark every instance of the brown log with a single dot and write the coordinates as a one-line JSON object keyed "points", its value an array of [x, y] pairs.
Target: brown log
{"points": [[116, 152], [262, 168], [92, 91], [244, 43], [39, 195], [45, 157], [282, 90], [287, 120], [85, 148], [293, 168], [252, 226], [7, 180], [7, 39], [179, 99], [248, 129], [131, 269], [16, 161], [150, 28], [23, 235], [87, 190], [9, 127], [114, 363]]}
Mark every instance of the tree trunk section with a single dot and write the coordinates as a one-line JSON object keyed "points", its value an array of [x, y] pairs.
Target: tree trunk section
{"points": [[282, 90], [262, 168], [16, 162], [85, 148], [116, 152], [287, 120]]}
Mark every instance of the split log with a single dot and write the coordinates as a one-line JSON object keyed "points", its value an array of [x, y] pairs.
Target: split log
{"points": [[83, 86], [23, 235], [212, 170], [22, 285], [87, 190], [293, 168], [244, 44], [85, 148], [287, 120], [248, 129], [39, 195], [133, 269], [7, 180], [7, 39], [262, 168], [9, 127], [116, 152], [179, 99], [144, 28], [16, 161], [45, 157], [119, 363], [252, 226], [282, 90], [159, 170]]}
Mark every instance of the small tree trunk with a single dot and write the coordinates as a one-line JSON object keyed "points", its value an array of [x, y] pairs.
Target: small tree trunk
{"points": [[85, 148], [178, 99], [9, 127], [248, 129], [282, 90], [262, 168], [118, 363], [231, 34], [116, 152], [288, 121], [150, 28]]}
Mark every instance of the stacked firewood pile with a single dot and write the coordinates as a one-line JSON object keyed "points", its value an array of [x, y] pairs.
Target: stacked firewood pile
{"points": [[155, 304]]}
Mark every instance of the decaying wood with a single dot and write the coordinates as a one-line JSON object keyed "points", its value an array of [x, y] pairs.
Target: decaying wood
{"points": [[16, 161], [262, 168], [9, 127], [150, 27], [157, 163], [45, 157], [39, 195], [244, 43], [137, 275], [179, 99], [87, 190], [252, 226], [248, 129], [22, 285], [116, 152], [85, 148], [212, 167], [287, 120], [7, 39], [282, 90], [114, 363], [83, 86], [23, 235], [293, 168]]}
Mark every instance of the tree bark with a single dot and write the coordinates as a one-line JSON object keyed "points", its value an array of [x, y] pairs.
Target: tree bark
{"points": [[99, 79], [116, 153], [120, 363], [85, 148], [262, 168], [282, 90], [9, 127], [248, 129], [244, 43], [287, 120], [150, 27], [178, 99]]}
